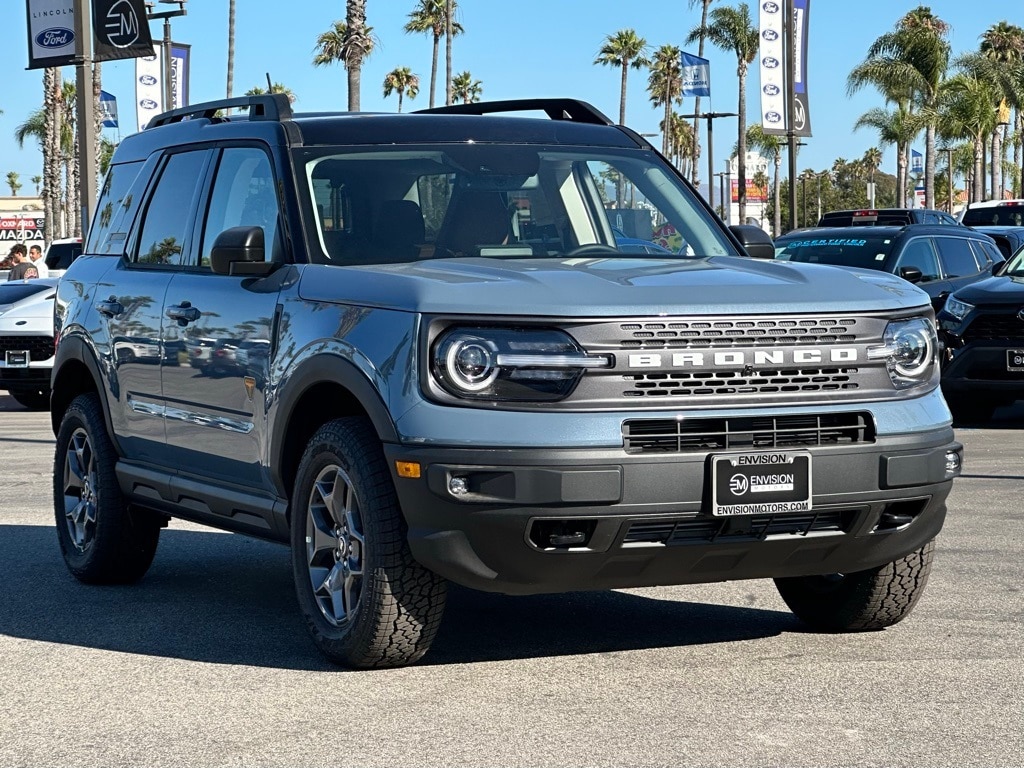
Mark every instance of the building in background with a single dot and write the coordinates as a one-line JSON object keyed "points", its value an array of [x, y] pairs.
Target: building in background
{"points": [[21, 221], [758, 195]]}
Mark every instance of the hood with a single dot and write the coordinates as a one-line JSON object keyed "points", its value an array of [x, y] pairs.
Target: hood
{"points": [[994, 291], [610, 287]]}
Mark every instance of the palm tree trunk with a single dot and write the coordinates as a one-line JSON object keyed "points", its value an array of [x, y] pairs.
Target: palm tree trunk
{"points": [[1018, 149], [231, 47], [929, 166], [901, 175], [777, 223], [979, 168], [741, 161], [997, 165], [52, 186], [448, 51], [433, 68]]}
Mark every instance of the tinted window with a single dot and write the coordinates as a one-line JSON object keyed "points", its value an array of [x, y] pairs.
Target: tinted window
{"points": [[868, 251], [1003, 215], [243, 195], [919, 253], [986, 253], [113, 202], [957, 257], [163, 230], [13, 292], [60, 255]]}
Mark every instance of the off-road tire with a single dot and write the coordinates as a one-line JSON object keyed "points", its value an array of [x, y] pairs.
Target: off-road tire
{"points": [[103, 540], [861, 601], [33, 399], [366, 601]]}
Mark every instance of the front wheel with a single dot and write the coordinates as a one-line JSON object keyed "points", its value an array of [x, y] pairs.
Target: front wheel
{"points": [[863, 600], [103, 540], [366, 601]]}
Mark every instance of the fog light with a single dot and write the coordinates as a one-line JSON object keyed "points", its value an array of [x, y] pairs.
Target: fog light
{"points": [[457, 486], [952, 463]]}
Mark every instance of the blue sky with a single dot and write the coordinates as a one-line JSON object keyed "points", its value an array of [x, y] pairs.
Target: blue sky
{"points": [[529, 48]]}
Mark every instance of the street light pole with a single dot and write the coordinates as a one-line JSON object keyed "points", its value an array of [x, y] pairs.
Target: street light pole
{"points": [[86, 113], [166, 69], [711, 117]]}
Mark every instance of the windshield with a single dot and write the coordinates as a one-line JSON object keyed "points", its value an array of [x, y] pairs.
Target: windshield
{"points": [[995, 215], [500, 201], [866, 251], [1015, 266]]}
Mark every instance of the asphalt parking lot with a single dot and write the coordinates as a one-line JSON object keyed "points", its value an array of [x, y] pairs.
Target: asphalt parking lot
{"points": [[205, 662]]}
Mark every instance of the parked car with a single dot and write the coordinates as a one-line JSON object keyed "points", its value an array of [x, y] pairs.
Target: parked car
{"points": [[993, 213], [60, 253], [1009, 240], [865, 217], [505, 401], [26, 340], [628, 244], [938, 259], [981, 327]]}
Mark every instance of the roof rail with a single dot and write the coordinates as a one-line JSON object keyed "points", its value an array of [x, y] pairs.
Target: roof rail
{"points": [[557, 109], [268, 106]]}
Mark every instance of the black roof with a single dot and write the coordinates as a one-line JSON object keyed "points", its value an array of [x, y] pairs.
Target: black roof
{"points": [[885, 230]]}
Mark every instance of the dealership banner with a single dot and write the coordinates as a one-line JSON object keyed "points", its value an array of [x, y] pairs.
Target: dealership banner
{"points": [[21, 229], [771, 52], [108, 109], [51, 33], [120, 30], [802, 119], [180, 54], [149, 90], [696, 75]]}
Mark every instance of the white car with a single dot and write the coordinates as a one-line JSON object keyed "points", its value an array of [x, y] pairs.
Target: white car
{"points": [[26, 340]]}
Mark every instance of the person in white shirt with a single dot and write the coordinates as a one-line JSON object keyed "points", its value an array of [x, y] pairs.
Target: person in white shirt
{"points": [[35, 257]]}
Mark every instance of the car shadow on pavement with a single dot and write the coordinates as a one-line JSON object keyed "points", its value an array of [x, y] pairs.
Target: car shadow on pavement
{"points": [[226, 599]]}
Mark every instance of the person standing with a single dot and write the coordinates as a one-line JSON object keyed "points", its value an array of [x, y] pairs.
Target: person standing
{"points": [[35, 257], [23, 269]]}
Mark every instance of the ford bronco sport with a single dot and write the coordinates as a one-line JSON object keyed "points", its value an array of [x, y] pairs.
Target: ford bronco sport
{"points": [[453, 374]]}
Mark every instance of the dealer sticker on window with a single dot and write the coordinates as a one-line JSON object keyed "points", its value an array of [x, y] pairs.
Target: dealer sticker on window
{"points": [[761, 483]]}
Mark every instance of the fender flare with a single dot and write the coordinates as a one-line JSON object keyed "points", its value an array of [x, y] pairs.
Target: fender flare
{"points": [[74, 348]]}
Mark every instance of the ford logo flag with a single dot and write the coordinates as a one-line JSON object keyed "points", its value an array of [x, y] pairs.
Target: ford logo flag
{"points": [[55, 37], [148, 80], [148, 104]]}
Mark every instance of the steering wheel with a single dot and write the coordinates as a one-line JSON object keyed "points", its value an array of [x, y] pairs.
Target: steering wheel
{"points": [[594, 249]]}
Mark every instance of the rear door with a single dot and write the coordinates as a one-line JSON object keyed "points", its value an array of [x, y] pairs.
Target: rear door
{"points": [[959, 264], [214, 407]]}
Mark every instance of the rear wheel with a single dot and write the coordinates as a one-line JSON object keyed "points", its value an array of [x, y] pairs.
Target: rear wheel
{"points": [[33, 399], [863, 600], [366, 601], [103, 540]]}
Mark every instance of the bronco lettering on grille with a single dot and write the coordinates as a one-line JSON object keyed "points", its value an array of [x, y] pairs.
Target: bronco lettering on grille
{"points": [[772, 357]]}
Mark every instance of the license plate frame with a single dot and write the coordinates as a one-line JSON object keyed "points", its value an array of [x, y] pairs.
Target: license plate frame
{"points": [[17, 358], [761, 482], [1015, 360]]}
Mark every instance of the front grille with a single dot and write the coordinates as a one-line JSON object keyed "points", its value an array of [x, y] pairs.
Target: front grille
{"points": [[727, 333], [706, 530], [39, 347], [740, 383], [753, 432], [1005, 326]]}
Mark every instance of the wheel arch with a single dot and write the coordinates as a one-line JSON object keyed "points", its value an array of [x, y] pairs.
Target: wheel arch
{"points": [[75, 372], [323, 388]]}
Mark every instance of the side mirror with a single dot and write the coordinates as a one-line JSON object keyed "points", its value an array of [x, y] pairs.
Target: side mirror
{"points": [[240, 251], [755, 241], [911, 274]]}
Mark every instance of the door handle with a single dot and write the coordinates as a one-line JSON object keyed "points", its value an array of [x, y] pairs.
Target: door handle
{"points": [[184, 313], [111, 307]]}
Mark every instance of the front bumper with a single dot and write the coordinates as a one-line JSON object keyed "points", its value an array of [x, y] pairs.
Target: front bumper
{"points": [[31, 378], [556, 520]]}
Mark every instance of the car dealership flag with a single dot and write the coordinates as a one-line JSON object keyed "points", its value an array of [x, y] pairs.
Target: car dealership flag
{"points": [[51, 33], [120, 29], [771, 53], [108, 109], [696, 75]]}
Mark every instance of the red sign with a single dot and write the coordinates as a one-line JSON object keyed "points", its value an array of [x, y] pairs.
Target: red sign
{"points": [[755, 194], [18, 228]]}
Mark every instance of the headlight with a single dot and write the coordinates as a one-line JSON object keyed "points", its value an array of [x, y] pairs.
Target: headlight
{"points": [[957, 308], [909, 350], [510, 364]]}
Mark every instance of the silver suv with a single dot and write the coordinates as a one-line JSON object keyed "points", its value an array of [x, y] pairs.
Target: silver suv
{"points": [[432, 362]]}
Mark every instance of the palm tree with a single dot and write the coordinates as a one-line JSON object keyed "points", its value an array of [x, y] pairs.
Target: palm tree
{"points": [[966, 112], [695, 178], [896, 127], [624, 49], [13, 182], [665, 85], [36, 181], [349, 42], [449, 33], [402, 81], [431, 16], [732, 29], [910, 63], [274, 88], [1002, 45], [680, 135], [465, 88], [870, 162], [231, 47], [770, 146], [50, 138]]}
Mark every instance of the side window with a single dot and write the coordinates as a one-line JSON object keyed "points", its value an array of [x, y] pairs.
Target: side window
{"points": [[945, 218], [115, 200], [243, 195], [957, 257], [931, 218], [920, 253], [987, 253], [166, 220]]}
